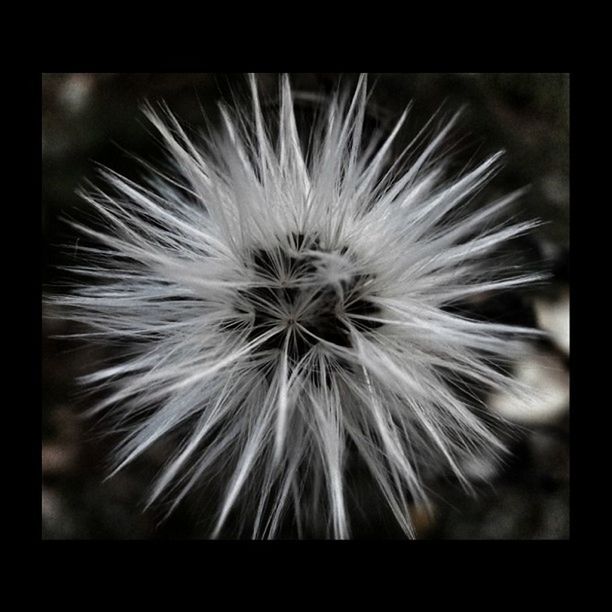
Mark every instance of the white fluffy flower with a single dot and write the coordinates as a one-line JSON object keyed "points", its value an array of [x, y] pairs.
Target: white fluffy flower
{"points": [[290, 308]]}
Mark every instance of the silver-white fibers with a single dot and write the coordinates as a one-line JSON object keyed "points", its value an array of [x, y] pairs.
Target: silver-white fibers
{"points": [[290, 308]]}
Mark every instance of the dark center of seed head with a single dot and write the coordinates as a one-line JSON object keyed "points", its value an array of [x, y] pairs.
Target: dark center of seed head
{"points": [[308, 311]]}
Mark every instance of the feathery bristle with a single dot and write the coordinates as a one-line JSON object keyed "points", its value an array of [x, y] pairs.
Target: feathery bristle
{"points": [[293, 308]]}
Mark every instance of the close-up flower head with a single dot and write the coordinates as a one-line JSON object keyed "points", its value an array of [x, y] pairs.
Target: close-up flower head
{"points": [[312, 324]]}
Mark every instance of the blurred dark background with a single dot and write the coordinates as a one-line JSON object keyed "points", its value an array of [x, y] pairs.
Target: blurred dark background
{"points": [[96, 118]]}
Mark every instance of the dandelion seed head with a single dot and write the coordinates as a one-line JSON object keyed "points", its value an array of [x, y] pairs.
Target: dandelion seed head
{"points": [[290, 306]]}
